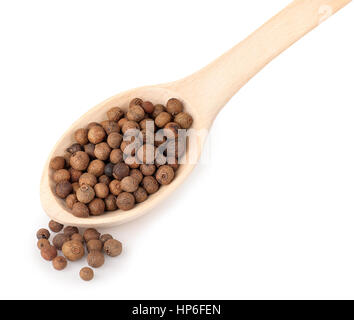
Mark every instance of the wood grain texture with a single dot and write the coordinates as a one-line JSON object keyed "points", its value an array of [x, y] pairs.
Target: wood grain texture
{"points": [[203, 94]]}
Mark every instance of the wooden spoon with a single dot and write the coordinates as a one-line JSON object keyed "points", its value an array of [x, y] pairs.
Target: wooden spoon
{"points": [[203, 94]]}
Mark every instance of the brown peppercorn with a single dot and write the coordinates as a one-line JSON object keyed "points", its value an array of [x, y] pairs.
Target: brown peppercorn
{"points": [[93, 245], [48, 253], [57, 163], [43, 234], [146, 154], [148, 107], [95, 259], [184, 120], [75, 175], [110, 202], [97, 207], [113, 248], [91, 234], [92, 124], [60, 239], [96, 134], [105, 237], [150, 184], [171, 130], [76, 186], [74, 148], [55, 226], [147, 169], [137, 175], [79, 160], [110, 126], [61, 175], [77, 237], [105, 179], [114, 140], [122, 121], [90, 150], [96, 168], [130, 125], [102, 151], [158, 109], [140, 195], [108, 170], [86, 274], [129, 184], [59, 263], [63, 189], [70, 230], [41, 243], [125, 201], [135, 113], [147, 123], [162, 119], [132, 162], [115, 188], [165, 175], [101, 190], [116, 156], [85, 194], [88, 179], [174, 106], [120, 170], [114, 114], [81, 136], [73, 250], [80, 210], [136, 102]]}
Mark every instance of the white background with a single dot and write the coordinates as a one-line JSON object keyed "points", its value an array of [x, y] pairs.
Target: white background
{"points": [[269, 215]]}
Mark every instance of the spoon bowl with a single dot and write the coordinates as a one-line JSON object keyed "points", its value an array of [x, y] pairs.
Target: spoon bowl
{"points": [[203, 95]]}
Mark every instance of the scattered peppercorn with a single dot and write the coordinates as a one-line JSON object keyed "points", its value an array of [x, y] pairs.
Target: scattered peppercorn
{"points": [[48, 252], [105, 237], [73, 250], [59, 263], [41, 243], [91, 234], [55, 226], [43, 234], [112, 248], [86, 274], [60, 239], [70, 230], [94, 244], [95, 259]]}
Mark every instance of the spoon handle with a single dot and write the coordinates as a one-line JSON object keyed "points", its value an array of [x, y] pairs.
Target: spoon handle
{"points": [[212, 87]]}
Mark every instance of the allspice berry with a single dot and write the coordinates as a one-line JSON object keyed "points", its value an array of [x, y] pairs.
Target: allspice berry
{"points": [[55, 226], [114, 114], [96, 134], [70, 230], [63, 189], [150, 184], [80, 210], [165, 175], [91, 234], [43, 234], [115, 188], [105, 179], [75, 175], [140, 195], [157, 110], [111, 203], [95, 259], [57, 163], [41, 243], [77, 237], [75, 186], [59, 240], [136, 102], [110, 126], [137, 175], [97, 207], [59, 263], [113, 248], [114, 140], [48, 253], [102, 151], [96, 168], [79, 160], [162, 119], [74, 148], [73, 250], [85, 194], [147, 169], [184, 120], [90, 150], [71, 200], [88, 179], [108, 170], [129, 184], [122, 121], [174, 106], [93, 245], [125, 201], [148, 107], [81, 136], [105, 237], [120, 170], [116, 156], [130, 125], [61, 175], [86, 274], [135, 113], [101, 190]]}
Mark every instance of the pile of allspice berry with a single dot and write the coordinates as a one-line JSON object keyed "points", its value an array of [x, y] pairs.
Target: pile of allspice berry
{"points": [[109, 168], [72, 245]]}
